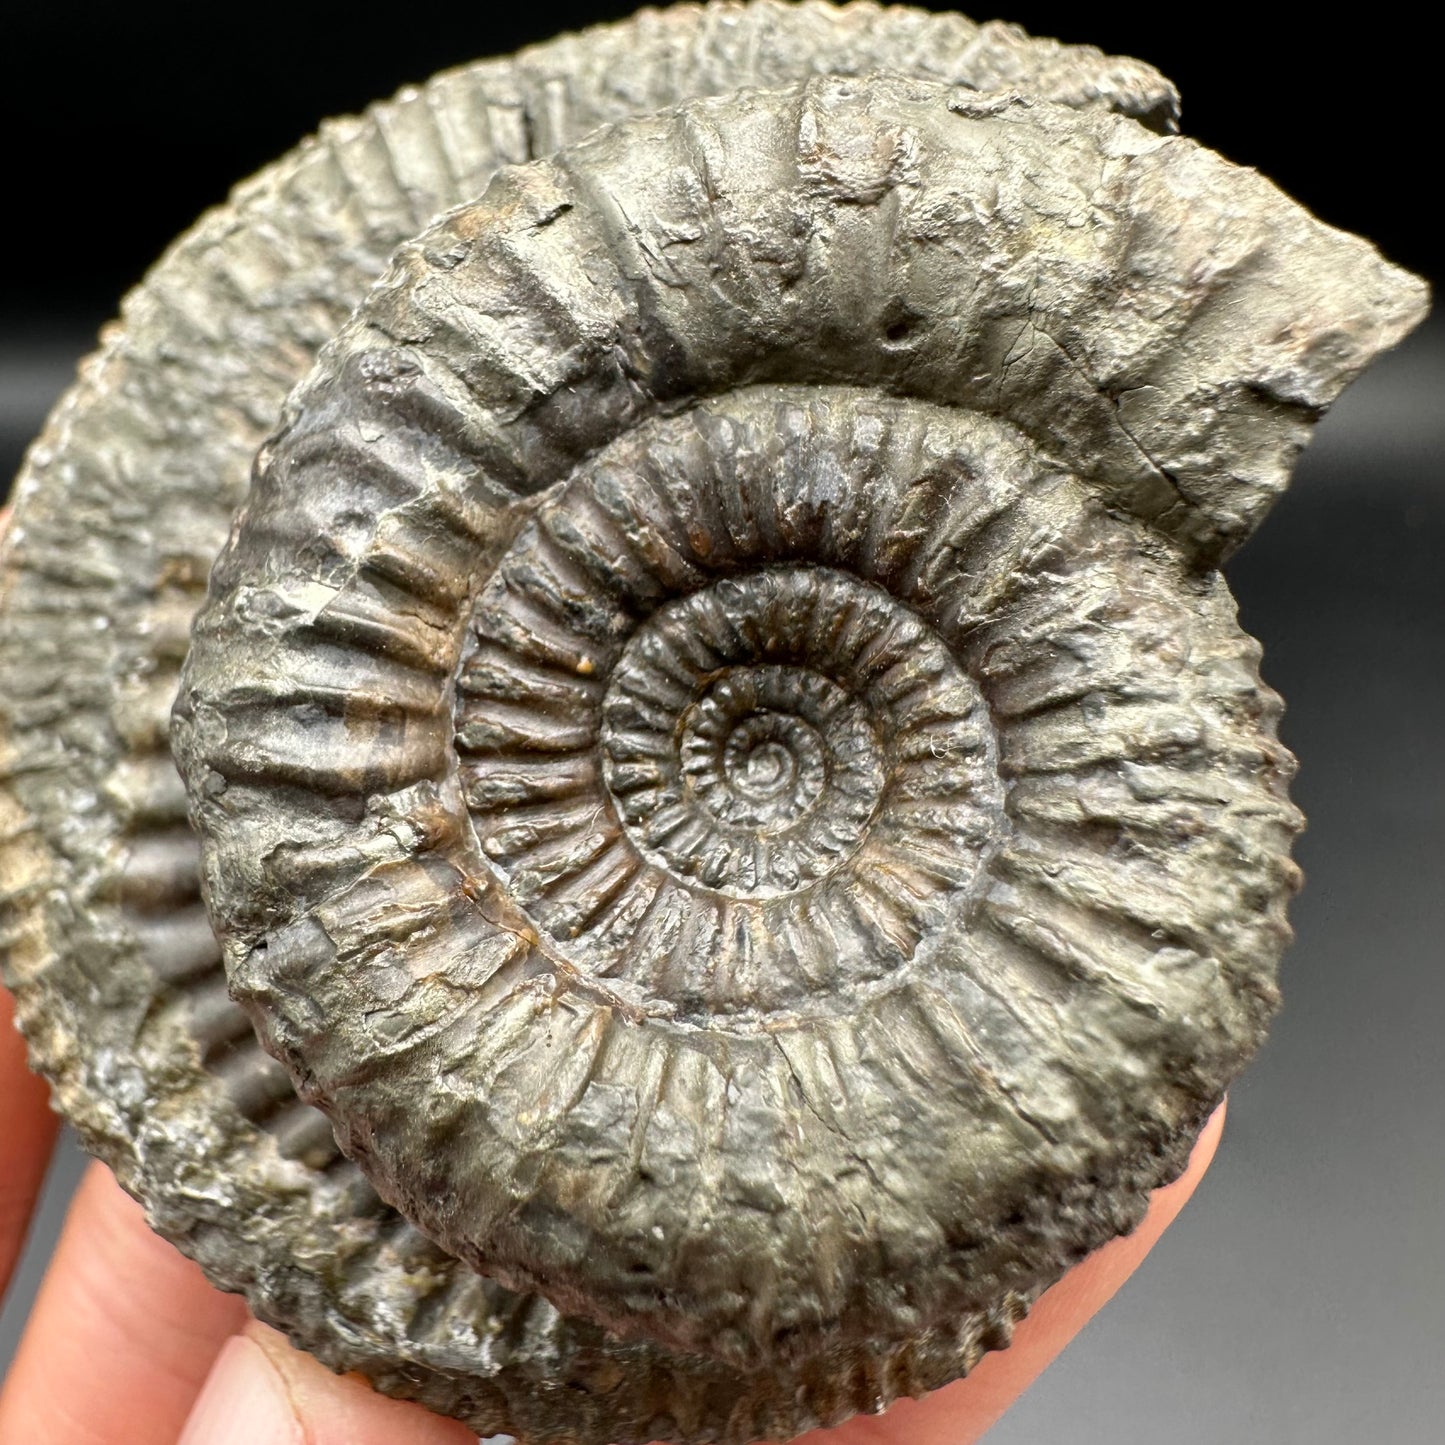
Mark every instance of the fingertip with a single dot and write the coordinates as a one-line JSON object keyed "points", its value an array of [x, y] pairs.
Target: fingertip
{"points": [[28, 1127], [961, 1413], [243, 1402], [1066, 1308], [261, 1391]]}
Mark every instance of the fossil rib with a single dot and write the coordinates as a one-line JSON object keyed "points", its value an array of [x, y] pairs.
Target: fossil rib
{"points": [[659, 1059], [1038, 692]]}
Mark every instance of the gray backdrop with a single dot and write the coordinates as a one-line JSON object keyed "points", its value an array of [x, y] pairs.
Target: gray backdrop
{"points": [[1301, 1296]]}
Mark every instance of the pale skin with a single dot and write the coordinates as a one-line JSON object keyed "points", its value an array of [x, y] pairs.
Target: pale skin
{"points": [[127, 1343]]}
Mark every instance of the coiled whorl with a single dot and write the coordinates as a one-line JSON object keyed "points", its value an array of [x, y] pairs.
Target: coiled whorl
{"points": [[651, 789], [131, 490]]}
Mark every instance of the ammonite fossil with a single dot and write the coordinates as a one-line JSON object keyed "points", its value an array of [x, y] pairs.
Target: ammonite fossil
{"points": [[743, 833]]}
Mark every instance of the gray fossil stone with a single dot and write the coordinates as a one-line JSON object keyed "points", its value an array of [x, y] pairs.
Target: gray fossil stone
{"points": [[725, 761]]}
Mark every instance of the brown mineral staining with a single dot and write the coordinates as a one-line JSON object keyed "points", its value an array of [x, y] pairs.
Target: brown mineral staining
{"points": [[722, 688]]}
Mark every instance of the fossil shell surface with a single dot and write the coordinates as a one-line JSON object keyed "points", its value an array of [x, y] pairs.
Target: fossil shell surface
{"points": [[1017, 504]]}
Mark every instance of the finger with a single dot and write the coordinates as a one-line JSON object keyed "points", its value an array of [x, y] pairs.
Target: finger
{"points": [[27, 1135], [122, 1334], [27, 1126], [960, 1413], [262, 1392]]}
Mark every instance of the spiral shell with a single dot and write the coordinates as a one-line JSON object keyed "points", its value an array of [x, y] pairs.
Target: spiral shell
{"points": [[634, 875], [650, 411]]}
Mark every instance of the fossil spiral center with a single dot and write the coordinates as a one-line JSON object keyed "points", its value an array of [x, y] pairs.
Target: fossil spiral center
{"points": [[765, 768], [737, 738], [733, 767], [770, 766]]}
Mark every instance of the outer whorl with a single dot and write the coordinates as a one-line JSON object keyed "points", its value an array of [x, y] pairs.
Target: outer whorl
{"points": [[1019, 505], [793, 888]]}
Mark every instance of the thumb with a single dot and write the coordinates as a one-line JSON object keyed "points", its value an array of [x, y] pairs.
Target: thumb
{"points": [[262, 1392]]}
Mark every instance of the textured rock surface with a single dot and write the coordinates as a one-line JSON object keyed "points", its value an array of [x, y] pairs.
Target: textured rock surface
{"points": [[128, 496], [766, 1088]]}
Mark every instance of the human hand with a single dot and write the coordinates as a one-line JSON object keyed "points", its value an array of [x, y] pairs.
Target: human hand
{"points": [[129, 1345]]}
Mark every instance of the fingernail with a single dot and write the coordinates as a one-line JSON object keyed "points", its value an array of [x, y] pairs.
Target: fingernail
{"points": [[243, 1402]]}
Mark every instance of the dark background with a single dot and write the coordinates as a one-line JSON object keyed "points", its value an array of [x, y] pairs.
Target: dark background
{"points": [[1301, 1297], [122, 121]]}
